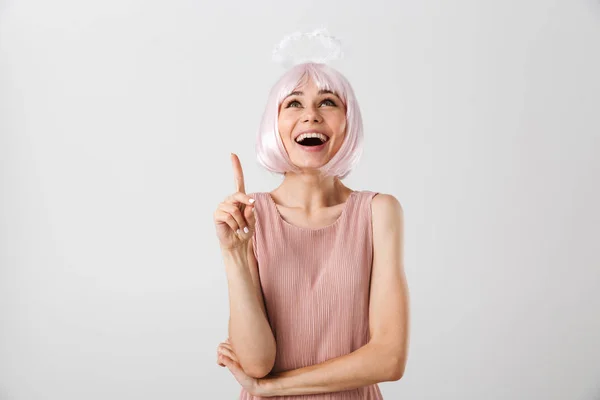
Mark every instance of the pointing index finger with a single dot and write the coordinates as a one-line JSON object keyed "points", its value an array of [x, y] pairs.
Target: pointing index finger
{"points": [[238, 174]]}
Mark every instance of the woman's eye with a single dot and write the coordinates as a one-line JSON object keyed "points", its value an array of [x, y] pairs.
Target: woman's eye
{"points": [[296, 103]]}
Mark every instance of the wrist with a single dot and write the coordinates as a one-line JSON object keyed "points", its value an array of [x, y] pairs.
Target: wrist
{"points": [[235, 259], [234, 251], [266, 387]]}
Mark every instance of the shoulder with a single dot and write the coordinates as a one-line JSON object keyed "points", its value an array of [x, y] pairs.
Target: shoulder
{"points": [[385, 203], [386, 210]]}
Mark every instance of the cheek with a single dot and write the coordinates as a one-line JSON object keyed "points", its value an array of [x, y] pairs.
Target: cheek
{"points": [[340, 122], [285, 126]]}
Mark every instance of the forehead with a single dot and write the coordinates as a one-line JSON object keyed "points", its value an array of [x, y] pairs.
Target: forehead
{"points": [[307, 85], [311, 82]]}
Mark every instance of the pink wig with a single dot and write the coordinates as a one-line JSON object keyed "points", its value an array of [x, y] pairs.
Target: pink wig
{"points": [[270, 150]]}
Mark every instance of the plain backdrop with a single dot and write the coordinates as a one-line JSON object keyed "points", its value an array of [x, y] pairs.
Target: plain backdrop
{"points": [[117, 119]]}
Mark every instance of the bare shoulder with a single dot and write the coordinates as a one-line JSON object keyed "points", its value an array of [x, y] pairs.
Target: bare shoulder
{"points": [[386, 210]]}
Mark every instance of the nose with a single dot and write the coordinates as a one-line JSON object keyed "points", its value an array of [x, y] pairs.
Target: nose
{"points": [[311, 115]]}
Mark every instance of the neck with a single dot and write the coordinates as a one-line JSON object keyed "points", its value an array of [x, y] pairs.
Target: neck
{"points": [[310, 191]]}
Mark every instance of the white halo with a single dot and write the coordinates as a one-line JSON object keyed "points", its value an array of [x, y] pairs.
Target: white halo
{"points": [[316, 46]]}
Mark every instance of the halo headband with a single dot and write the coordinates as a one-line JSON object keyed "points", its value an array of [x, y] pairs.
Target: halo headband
{"points": [[317, 46]]}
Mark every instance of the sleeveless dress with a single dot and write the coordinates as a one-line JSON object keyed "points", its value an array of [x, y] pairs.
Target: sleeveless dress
{"points": [[315, 283]]}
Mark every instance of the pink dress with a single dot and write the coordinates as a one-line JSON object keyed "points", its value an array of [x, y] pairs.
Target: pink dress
{"points": [[316, 287]]}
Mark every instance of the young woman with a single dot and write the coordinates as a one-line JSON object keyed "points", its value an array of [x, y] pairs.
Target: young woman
{"points": [[319, 302]]}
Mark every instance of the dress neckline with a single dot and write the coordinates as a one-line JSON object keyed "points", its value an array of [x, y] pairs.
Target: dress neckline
{"points": [[333, 224]]}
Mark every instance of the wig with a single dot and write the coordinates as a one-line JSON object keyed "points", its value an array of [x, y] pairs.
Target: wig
{"points": [[270, 151]]}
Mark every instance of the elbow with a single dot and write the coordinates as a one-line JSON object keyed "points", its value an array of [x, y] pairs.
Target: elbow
{"points": [[394, 362], [257, 373], [397, 369], [396, 375], [260, 370]]}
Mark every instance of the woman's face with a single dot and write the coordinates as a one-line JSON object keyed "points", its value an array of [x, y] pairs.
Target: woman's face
{"points": [[308, 110]]}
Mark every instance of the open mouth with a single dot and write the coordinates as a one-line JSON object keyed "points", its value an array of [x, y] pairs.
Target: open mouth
{"points": [[310, 142], [312, 139]]}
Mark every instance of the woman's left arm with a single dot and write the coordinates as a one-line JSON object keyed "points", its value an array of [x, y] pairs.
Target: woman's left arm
{"points": [[384, 357]]}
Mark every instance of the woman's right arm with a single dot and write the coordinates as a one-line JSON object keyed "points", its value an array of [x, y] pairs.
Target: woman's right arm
{"points": [[249, 331], [250, 334]]}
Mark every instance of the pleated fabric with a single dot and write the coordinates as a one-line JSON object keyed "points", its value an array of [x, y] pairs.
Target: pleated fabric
{"points": [[316, 282]]}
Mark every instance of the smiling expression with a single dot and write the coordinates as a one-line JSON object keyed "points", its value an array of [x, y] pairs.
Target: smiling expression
{"points": [[309, 109]]}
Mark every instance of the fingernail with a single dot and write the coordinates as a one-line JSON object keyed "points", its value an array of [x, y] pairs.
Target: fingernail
{"points": [[246, 229], [238, 231], [251, 201]]}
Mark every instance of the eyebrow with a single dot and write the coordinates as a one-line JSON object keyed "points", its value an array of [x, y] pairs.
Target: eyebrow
{"points": [[299, 93]]}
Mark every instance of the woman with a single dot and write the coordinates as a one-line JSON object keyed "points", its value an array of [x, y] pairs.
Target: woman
{"points": [[318, 294]]}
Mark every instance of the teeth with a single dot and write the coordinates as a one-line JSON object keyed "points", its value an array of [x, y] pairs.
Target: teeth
{"points": [[309, 135]]}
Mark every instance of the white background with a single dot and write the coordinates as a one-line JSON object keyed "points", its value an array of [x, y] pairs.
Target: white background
{"points": [[116, 123]]}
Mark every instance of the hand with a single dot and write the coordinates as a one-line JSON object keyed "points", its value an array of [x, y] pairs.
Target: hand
{"points": [[235, 213], [227, 358], [225, 348]]}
